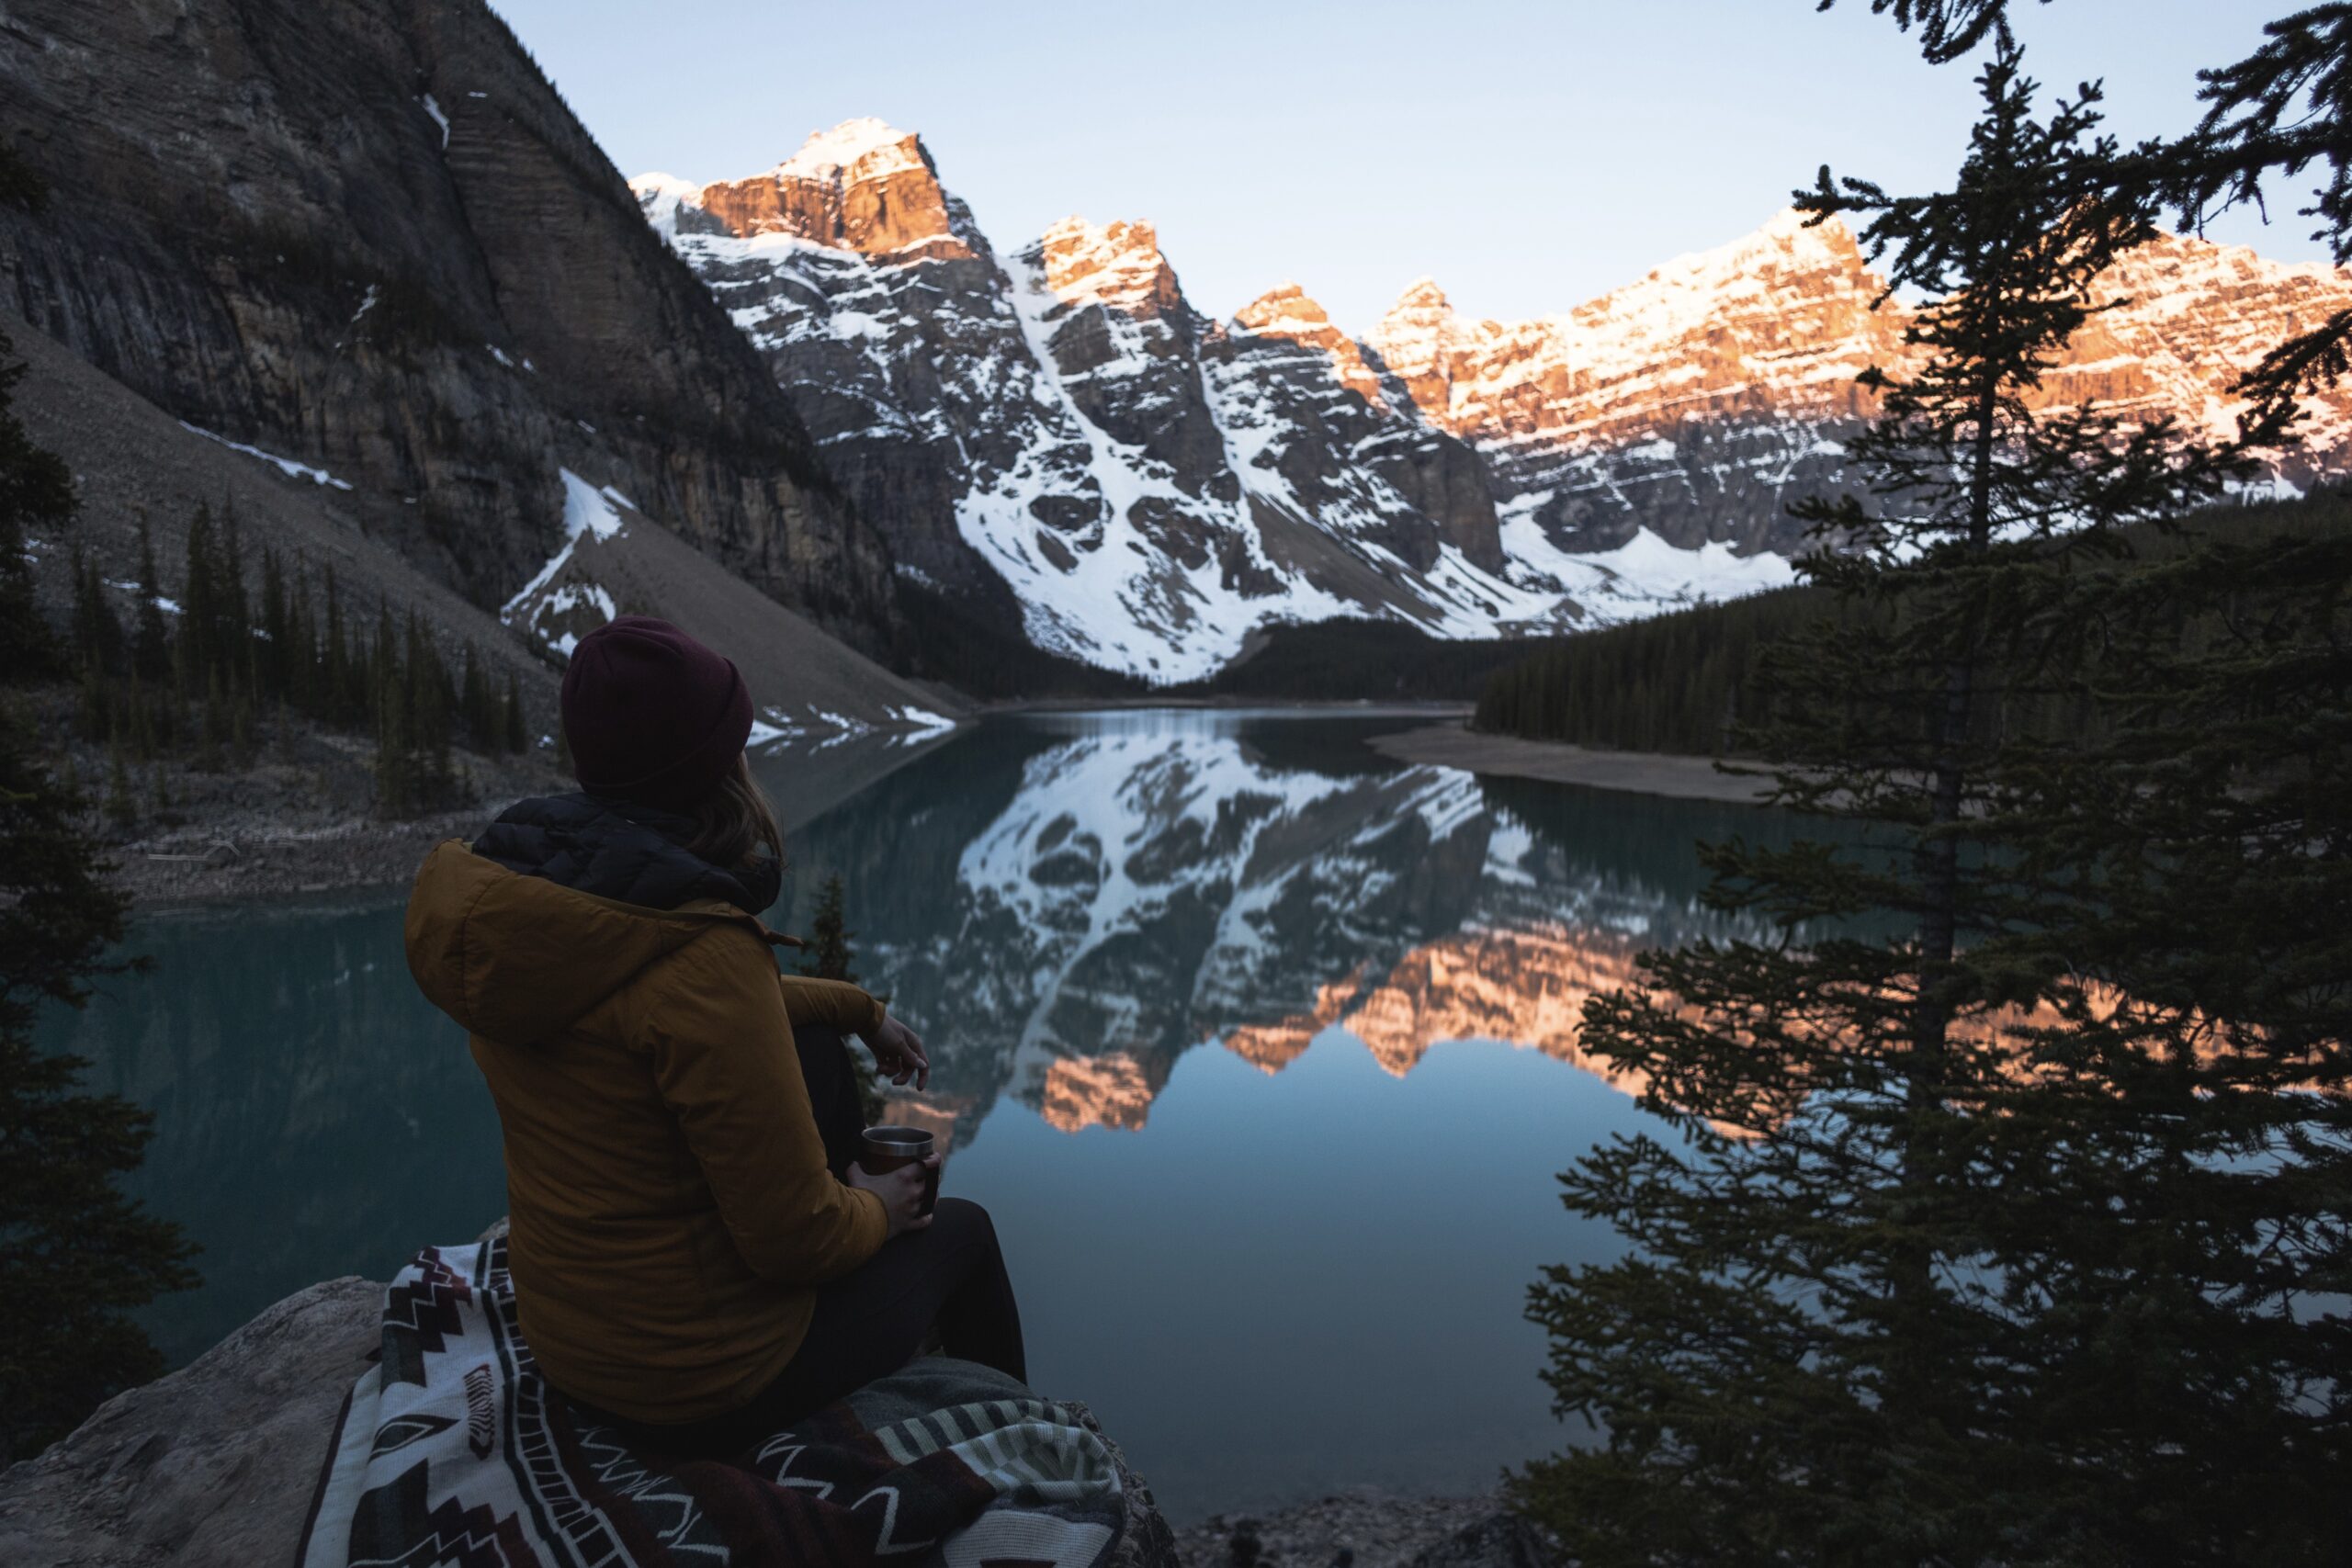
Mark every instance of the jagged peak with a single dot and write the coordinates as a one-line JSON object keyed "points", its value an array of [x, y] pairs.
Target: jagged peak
{"points": [[1284, 306], [1789, 239], [867, 145], [1421, 294], [655, 182], [1118, 263], [1078, 236]]}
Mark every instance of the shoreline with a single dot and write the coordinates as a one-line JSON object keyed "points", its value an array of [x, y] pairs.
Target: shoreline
{"points": [[1300, 707], [223, 851], [227, 855], [1675, 775]]}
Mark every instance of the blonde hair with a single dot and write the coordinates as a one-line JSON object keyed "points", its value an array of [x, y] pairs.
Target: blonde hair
{"points": [[736, 819]]}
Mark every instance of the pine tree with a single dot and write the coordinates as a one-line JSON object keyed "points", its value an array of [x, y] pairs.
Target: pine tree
{"points": [[395, 721], [151, 642], [1954, 1262], [79, 1255], [335, 674], [237, 625], [36, 491], [199, 652], [828, 956], [304, 675], [475, 704], [518, 740], [97, 633], [123, 805], [430, 703]]}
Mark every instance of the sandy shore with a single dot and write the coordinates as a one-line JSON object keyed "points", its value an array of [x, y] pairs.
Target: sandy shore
{"points": [[1643, 773]]}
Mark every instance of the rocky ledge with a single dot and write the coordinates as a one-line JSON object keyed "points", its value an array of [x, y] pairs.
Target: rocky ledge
{"points": [[214, 1466]]}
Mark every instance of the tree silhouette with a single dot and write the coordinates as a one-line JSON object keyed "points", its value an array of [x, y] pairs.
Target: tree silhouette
{"points": [[1990, 1235]]}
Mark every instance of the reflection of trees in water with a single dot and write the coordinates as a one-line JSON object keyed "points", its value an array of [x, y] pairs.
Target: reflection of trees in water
{"points": [[1085, 906], [313, 1115]]}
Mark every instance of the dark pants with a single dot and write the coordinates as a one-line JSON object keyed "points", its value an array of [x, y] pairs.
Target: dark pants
{"points": [[873, 1320]]}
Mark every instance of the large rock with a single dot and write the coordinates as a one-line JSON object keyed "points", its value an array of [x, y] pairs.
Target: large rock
{"points": [[214, 1466], [211, 1467]]}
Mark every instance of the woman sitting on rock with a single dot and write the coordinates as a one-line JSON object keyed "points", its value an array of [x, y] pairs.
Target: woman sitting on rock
{"points": [[696, 1260]]}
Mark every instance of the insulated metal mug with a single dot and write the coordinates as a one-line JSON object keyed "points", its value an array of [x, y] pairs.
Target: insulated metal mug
{"points": [[887, 1148]]}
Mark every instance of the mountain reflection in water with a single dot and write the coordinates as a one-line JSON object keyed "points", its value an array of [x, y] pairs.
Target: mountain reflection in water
{"points": [[1094, 896], [1172, 968]]}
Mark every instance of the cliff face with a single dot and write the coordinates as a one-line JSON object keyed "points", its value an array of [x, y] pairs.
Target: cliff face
{"points": [[370, 237]]}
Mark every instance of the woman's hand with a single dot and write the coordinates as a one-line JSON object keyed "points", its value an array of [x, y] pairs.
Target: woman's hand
{"points": [[898, 1051], [900, 1191]]}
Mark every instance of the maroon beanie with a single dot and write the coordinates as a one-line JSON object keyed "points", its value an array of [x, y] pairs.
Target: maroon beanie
{"points": [[651, 714]]}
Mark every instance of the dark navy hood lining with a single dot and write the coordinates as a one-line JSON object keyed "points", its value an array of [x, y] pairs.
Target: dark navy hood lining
{"points": [[620, 850]]}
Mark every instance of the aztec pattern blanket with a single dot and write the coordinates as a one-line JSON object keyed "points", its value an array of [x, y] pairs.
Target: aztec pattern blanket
{"points": [[451, 1449]]}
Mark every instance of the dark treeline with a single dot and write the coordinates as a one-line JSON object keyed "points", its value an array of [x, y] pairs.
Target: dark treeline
{"points": [[200, 684], [1359, 661], [1688, 682], [1672, 683]]}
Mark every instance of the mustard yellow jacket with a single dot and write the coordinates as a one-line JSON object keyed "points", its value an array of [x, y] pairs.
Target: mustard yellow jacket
{"points": [[670, 1207]]}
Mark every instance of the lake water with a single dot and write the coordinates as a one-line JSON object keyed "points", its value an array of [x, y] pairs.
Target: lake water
{"points": [[1261, 1048]]}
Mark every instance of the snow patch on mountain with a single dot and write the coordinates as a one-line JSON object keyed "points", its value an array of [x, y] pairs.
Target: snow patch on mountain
{"points": [[869, 145], [287, 466]]}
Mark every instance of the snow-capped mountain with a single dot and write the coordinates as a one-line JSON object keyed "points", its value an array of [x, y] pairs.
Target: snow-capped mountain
{"points": [[1058, 440]]}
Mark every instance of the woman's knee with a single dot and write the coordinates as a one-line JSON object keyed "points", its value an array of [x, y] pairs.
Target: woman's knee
{"points": [[961, 1218]]}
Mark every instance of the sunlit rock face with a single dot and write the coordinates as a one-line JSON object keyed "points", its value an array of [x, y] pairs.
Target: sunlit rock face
{"points": [[1097, 1091], [1698, 403], [1063, 443], [1093, 905]]}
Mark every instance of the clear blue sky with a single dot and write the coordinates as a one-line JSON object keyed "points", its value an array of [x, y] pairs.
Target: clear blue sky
{"points": [[1527, 155]]}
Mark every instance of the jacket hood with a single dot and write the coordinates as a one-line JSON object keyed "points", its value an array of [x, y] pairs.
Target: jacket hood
{"points": [[621, 849], [517, 958]]}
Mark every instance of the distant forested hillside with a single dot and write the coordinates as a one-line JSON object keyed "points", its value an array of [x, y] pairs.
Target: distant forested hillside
{"points": [[1360, 660], [1685, 682]]}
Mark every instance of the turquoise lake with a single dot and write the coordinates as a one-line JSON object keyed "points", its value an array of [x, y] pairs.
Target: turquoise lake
{"points": [[1261, 1048]]}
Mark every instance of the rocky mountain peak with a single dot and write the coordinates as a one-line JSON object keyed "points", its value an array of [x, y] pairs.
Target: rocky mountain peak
{"points": [[1118, 265], [1416, 341], [865, 148], [1285, 308], [1288, 311], [864, 186]]}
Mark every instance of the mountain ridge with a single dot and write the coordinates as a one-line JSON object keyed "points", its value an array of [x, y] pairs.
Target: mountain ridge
{"points": [[1058, 437]]}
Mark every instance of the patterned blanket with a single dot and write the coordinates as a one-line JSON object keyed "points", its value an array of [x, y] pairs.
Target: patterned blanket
{"points": [[451, 1451]]}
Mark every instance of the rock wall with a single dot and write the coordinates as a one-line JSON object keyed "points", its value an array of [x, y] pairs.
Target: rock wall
{"points": [[371, 237]]}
